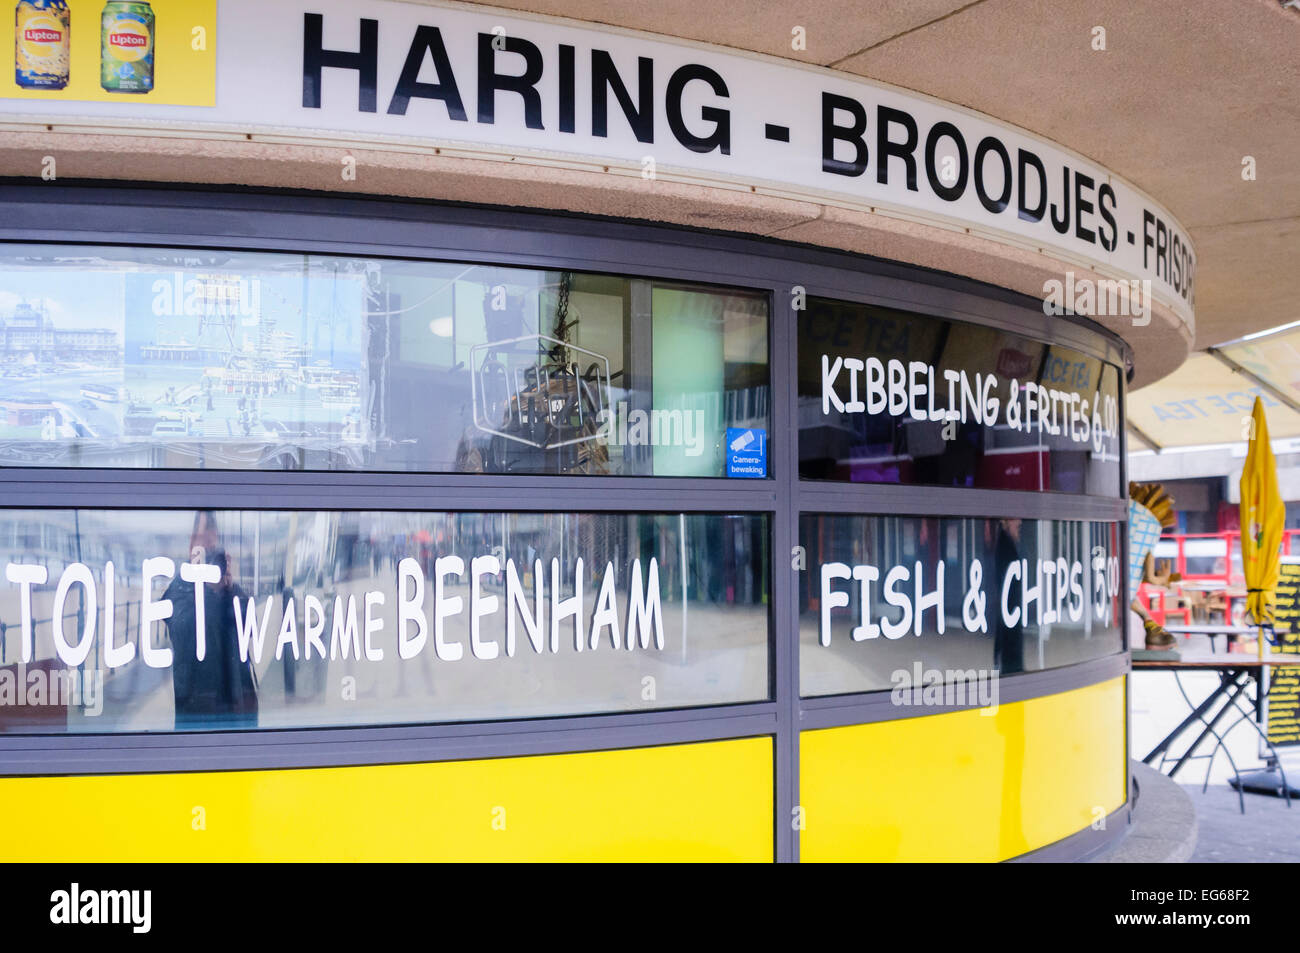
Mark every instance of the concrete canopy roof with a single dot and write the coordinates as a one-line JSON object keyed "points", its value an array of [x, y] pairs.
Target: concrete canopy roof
{"points": [[1180, 95]]}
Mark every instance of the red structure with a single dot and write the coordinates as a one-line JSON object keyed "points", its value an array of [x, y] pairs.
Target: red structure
{"points": [[1210, 564]]}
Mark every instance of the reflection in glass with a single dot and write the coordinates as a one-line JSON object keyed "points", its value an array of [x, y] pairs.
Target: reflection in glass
{"points": [[1023, 620], [219, 688], [290, 618], [888, 396], [121, 357]]}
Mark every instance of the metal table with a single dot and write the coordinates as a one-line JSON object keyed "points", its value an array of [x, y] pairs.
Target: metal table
{"points": [[1236, 675], [1213, 630]]}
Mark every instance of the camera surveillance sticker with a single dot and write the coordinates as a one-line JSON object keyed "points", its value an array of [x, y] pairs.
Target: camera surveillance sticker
{"points": [[746, 453]]}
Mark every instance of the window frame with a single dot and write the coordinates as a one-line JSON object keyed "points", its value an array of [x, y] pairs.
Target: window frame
{"points": [[267, 220]]}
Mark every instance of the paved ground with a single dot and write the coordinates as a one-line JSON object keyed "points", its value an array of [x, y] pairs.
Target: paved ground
{"points": [[1268, 832], [1164, 823]]}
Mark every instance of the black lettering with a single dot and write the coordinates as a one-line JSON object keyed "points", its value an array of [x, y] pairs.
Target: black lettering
{"points": [[832, 133], [1162, 250], [885, 149], [1027, 161], [949, 193], [720, 138], [1148, 220], [1062, 224], [427, 39], [641, 114], [489, 80], [567, 87], [315, 59], [989, 144], [1107, 216], [1082, 206]]}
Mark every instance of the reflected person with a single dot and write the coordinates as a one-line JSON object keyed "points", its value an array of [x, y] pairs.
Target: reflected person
{"points": [[220, 691], [1008, 640]]}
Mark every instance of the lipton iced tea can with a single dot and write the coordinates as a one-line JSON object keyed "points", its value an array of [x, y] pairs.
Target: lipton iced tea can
{"points": [[42, 29], [126, 47]]}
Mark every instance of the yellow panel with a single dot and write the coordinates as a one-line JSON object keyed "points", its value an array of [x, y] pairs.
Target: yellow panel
{"points": [[964, 786], [709, 801], [183, 75]]}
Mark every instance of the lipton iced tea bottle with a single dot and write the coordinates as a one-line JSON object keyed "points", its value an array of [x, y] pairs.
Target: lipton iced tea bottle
{"points": [[126, 47], [41, 32]]}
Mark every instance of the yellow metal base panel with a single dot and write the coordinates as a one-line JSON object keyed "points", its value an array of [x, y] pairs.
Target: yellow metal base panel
{"points": [[711, 802], [965, 786]]}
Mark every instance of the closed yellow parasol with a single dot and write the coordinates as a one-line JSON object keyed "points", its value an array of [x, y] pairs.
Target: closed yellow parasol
{"points": [[1263, 516]]}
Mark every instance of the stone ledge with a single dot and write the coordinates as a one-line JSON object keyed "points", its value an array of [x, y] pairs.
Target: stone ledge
{"points": [[1163, 827]]}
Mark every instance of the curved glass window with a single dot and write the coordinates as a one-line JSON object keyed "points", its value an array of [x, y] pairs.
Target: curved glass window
{"points": [[157, 620], [895, 601], [185, 358], [294, 600], [889, 396]]}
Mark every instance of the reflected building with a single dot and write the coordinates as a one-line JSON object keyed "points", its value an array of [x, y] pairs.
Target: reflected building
{"points": [[29, 335]]}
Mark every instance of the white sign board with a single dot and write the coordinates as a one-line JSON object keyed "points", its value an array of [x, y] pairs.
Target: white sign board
{"points": [[478, 81]]}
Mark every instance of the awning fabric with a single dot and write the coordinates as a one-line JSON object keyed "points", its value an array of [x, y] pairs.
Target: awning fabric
{"points": [[1207, 402]]}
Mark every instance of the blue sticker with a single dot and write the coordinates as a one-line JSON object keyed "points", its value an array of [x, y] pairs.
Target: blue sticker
{"points": [[746, 453]]}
